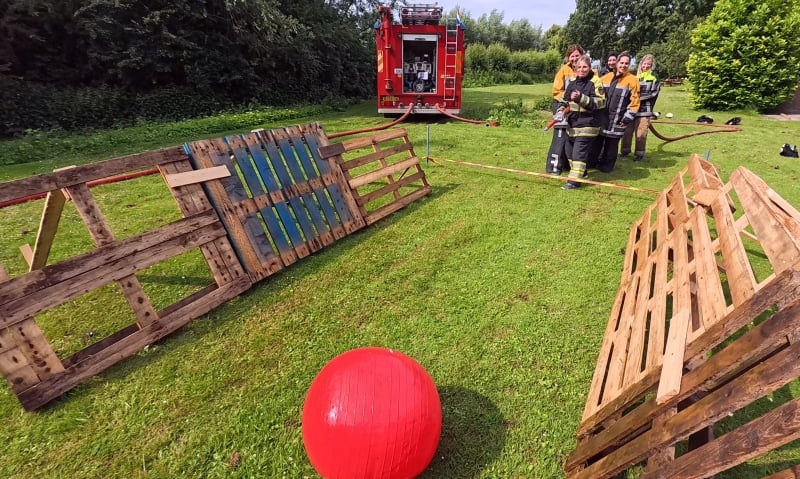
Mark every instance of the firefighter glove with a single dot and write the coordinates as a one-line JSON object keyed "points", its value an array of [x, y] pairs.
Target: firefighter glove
{"points": [[559, 116]]}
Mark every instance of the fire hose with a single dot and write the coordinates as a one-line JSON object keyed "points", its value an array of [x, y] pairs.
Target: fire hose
{"points": [[715, 129]]}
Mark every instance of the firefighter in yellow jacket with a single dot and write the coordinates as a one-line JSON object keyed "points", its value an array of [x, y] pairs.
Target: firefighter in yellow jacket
{"points": [[586, 101], [622, 104], [649, 88]]}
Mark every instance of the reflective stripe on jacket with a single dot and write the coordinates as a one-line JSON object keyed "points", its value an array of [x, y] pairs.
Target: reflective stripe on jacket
{"points": [[586, 114], [622, 99], [649, 88]]}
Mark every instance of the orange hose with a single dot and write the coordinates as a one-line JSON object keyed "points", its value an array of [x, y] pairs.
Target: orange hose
{"points": [[718, 129], [375, 128], [468, 120]]}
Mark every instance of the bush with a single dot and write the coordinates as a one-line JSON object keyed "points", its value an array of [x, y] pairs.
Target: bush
{"points": [[499, 57], [477, 58], [745, 55]]}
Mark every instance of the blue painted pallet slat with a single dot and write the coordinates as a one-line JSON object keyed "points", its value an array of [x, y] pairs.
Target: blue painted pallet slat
{"points": [[251, 177], [300, 212], [336, 193], [236, 192], [322, 198], [287, 219], [297, 173]]}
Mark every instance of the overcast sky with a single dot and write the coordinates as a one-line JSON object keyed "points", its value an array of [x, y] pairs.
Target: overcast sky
{"points": [[544, 13]]}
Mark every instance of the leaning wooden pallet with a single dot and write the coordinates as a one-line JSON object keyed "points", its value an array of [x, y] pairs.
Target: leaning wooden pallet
{"points": [[694, 336], [252, 204]]}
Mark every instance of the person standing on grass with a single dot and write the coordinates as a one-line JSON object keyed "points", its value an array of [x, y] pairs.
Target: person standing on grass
{"points": [[556, 157], [584, 96], [649, 88], [622, 104]]}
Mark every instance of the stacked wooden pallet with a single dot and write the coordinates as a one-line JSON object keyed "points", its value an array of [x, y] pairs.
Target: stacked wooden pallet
{"points": [[694, 336], [252, 204]]}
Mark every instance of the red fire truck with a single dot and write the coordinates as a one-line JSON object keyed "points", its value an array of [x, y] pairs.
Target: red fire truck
{"points": [[420, 60]]}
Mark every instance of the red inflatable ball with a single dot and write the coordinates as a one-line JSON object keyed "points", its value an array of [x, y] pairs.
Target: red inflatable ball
{"points": [[371, 413]]}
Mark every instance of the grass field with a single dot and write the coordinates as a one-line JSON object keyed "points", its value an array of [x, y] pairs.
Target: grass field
{"points": [[500, 285]]}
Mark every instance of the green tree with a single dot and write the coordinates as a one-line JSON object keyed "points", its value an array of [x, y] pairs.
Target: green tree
{"points": [[671, 56], [556, 39], [745, 54], [595, 25]]}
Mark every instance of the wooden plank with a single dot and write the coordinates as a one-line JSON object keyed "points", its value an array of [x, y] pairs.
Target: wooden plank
{"points": [[381, 213], [340, 192], [713, 305], [759, 342], [769, 431], [375, 156], [27, 254], [300, 213], [33, 345], [658, 312], [107, 267], [45, 391], [249, 239], [192, 200], [764, 378], [197, 176], [741, 280], [389, 188], [101, 235], [265, 206], [48, 226], [16, 369], [104, 169], [33, 185], [672, 367], [380, 137], [784, 205], [262, 162], [776, 239], [321, 226], [297, 138], [638, 318], [383, 172], [791, 473]]}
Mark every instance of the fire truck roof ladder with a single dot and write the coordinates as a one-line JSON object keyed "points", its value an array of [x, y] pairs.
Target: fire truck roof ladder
{"points": [[421, 14], [450, 59]]}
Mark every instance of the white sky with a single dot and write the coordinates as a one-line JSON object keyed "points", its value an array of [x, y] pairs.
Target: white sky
{"points": [[544, 13]]}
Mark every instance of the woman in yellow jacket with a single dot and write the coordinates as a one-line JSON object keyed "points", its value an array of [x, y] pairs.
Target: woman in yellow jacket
{"points": [[556, 157], [649, 88], [622, 104]]}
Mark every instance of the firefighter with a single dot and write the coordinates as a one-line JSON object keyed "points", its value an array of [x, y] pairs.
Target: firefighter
{"points": [[649, 88], [556, 158], [611, 64], [622, 104], [584, 96]]}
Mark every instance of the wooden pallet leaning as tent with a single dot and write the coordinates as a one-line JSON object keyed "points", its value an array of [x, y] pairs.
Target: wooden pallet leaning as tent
{"points": [[681, 350], [27, 360], [382, 171]]}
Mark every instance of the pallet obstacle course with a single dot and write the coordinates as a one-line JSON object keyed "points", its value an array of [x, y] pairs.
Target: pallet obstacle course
{"points": [[252, 204], [705, 323]]}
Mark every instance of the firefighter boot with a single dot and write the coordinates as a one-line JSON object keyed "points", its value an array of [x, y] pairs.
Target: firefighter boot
{"points": [[577, 170]]}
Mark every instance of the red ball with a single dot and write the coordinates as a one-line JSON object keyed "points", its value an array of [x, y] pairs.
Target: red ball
{"points": [[371, 413]]}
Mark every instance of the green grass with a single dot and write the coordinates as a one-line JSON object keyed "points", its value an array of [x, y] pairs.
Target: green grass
{"points": [[500, 285]]}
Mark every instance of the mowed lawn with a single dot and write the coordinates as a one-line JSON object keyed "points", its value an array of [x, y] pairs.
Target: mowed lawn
{"points": [[499, 284]]}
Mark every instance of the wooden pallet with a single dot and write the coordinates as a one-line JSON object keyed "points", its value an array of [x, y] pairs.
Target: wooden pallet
{"points": [[382, 171], [282, 200], [672, 363], [27, 360], [252, 203]]}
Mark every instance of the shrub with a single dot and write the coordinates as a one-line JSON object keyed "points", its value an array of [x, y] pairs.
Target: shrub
{"points": [[499, 57], [477, 58], [745, 54]]}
